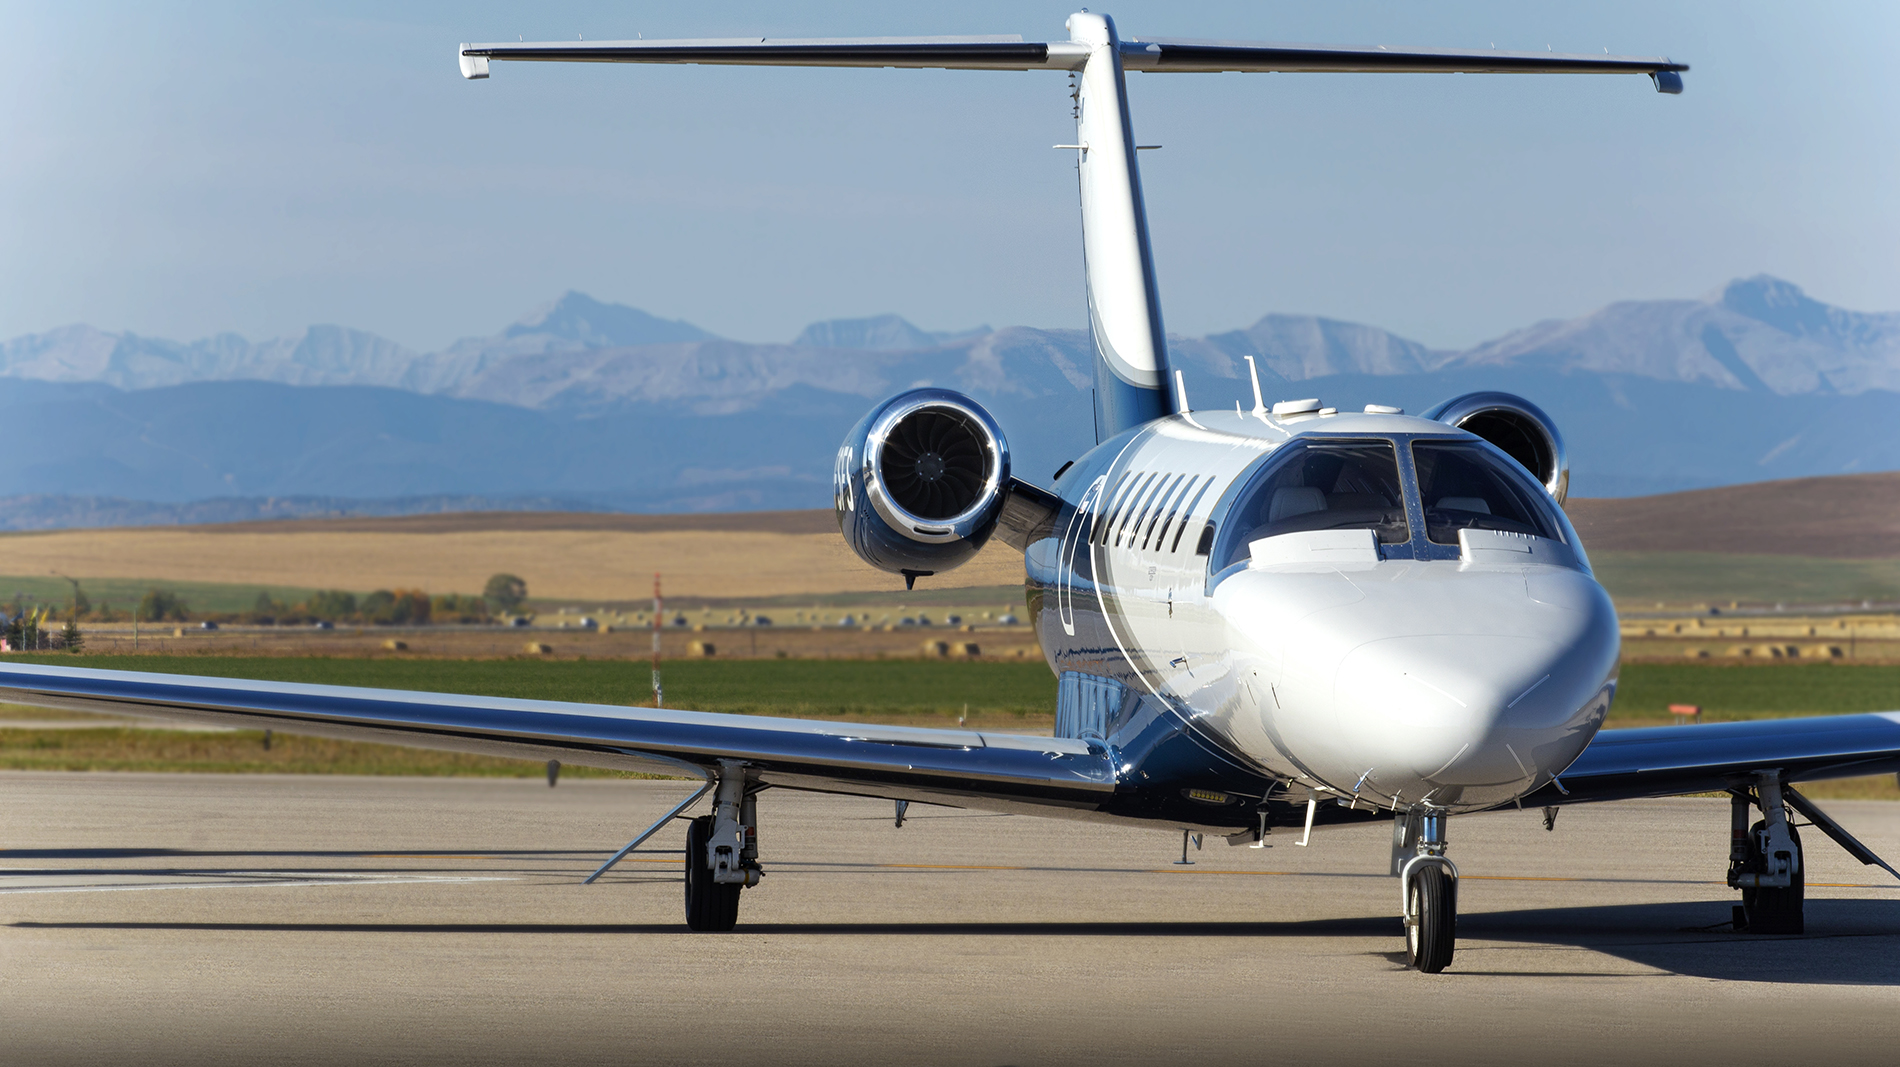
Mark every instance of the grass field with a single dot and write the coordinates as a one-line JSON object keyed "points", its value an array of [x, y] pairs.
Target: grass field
{"points": [[122, 594], [1014, 696], [1643, 579]]}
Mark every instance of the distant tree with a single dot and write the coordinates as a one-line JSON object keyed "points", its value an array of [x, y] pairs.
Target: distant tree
{"points": [[71, 638], [453, 607], [505, 592], [401, 607], [331, 604], [412, 606], [265, 604], [161, 604], [378, 606]]}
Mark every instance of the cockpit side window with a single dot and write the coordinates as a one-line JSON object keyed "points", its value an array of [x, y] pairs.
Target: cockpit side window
{"points": [[1317, 485], [1463, 485]]}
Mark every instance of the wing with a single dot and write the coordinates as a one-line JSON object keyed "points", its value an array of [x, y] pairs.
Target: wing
{"points": [[1672, 760], [1014, 53], [961, 768]]}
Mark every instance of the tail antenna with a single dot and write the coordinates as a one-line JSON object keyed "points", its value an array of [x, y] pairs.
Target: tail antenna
{"points": [[1259, 404]]}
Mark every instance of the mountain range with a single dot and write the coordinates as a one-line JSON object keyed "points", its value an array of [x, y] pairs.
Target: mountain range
{"points": [[602, 405]]}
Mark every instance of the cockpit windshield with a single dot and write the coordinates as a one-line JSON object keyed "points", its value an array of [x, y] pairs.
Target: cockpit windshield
{"points": [[1464, 485], [1318, 485]]}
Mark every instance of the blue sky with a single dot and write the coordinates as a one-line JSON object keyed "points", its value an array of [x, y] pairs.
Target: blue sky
{"points": [[200, 167]]}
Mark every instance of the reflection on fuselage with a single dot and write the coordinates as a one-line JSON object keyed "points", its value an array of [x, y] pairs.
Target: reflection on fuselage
{"points": [[1374, 608]]}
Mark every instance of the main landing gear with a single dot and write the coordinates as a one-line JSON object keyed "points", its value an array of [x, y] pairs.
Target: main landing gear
{"points": [[722, 852], [1428, 888], [1764, 860]]}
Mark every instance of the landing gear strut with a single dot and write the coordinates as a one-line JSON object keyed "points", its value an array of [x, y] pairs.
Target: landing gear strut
{"points": [[722, 852], [1428, 889], [1765, 861]]}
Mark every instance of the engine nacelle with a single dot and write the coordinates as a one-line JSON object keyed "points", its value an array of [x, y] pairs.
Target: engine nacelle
{"points": [[920, 482], [1518, 427]]}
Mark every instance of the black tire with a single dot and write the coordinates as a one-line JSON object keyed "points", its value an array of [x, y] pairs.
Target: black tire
{"points": [[1774, 911], [1431, 928], [710, 906]]}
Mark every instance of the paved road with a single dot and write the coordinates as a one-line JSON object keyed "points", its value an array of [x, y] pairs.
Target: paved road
{"points": [[243, 919]]}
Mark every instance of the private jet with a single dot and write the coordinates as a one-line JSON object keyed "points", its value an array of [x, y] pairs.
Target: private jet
{"points": [[1269, 621]]}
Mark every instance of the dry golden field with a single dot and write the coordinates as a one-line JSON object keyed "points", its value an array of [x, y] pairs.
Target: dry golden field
{"points": [[590, 558]]}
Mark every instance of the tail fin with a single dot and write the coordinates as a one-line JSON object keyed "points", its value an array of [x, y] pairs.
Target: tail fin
{"points": [[1131, 356], [1131, 371]]}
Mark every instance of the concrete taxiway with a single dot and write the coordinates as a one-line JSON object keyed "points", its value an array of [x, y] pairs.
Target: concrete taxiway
{"points": [[245, 919]]}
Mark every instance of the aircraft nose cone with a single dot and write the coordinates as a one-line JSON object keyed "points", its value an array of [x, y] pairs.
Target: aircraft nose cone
{"points": [[1473, 719]]}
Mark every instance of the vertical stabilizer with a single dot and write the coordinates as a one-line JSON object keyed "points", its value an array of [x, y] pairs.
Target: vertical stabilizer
{"points": [[1131, 371]]}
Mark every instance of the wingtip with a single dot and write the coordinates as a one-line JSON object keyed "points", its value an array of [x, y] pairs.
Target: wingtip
{"points": [[474, 68]]}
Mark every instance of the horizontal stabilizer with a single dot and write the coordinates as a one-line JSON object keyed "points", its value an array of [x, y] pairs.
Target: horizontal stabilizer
{"points": [[1014, 53], [1192, 57], [961, 53]]}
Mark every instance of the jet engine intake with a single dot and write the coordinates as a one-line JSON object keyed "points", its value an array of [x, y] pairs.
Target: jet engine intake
{"points": [[1519, 428], [920, 482]]}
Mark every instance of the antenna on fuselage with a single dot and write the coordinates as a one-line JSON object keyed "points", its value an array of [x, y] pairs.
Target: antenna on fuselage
{"points": [[1180, 394], [1259, 403]]}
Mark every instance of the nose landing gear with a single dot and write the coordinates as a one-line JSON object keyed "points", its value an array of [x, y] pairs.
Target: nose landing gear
{"points": [[1428, 889]]}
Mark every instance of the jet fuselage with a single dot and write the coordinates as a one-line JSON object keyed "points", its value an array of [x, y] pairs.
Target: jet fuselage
{"points": [[1372, 610]]}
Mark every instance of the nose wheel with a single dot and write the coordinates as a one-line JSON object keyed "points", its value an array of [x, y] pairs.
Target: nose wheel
{"points": [[1428, 889], [1431, 918]]}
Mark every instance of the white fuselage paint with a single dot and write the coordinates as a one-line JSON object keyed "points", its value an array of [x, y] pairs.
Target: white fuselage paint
{"points": [[1459, 683]]}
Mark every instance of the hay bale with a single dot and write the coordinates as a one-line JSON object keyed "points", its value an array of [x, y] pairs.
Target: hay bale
{"points": [[702, 649], [394, 645], [968, 650], [536, 648], [938, 649]]}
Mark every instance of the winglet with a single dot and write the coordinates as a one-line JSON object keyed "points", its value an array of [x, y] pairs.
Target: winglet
{"points": [[475, 67]]}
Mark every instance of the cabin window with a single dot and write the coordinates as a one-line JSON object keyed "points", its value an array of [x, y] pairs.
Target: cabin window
{"points": [[1158, 526], [1464, 485], [1132, 504], [1188, 513], [1318, 485], [1151, 512], [1106, 520]]}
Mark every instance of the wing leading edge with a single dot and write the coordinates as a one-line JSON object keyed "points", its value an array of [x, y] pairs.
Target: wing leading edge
{"points": [[1672, 760], [1005, 772]]}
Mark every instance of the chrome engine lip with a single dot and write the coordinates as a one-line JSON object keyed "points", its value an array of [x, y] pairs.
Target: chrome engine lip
{"points": [[966, 523], [1459, 409]]}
